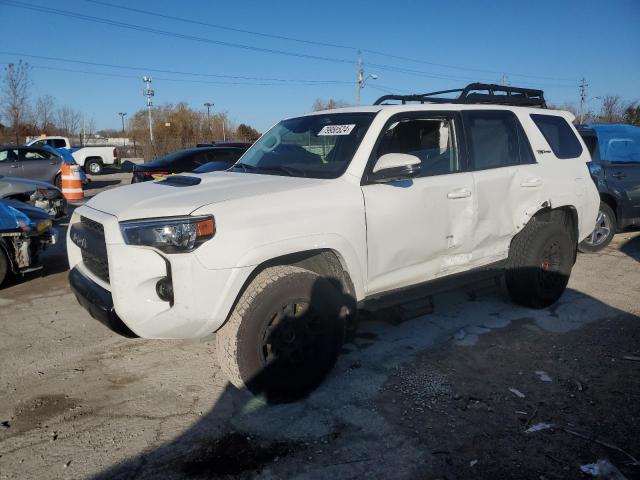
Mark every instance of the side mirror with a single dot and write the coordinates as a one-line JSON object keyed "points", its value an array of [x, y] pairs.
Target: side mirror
{"points": [[395, 166]]}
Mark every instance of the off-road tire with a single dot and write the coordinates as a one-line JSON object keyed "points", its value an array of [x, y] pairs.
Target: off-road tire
{"points": [[240, 343], [611, 222], [93, 162], [541, 257], [4, 266]]}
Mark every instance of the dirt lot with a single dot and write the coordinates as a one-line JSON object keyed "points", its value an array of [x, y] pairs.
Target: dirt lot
{"points": [[450, 394]]}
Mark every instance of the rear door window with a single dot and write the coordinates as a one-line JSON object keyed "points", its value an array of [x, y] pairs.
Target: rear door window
{"points": [[559, 135], [496, 139]]}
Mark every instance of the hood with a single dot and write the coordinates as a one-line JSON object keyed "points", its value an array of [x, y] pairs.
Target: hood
{"points": [[165, 199], [13, 185], [13, 211]]}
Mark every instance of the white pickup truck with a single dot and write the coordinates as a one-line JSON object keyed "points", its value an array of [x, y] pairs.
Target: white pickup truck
{"points": [[336, 210], [91, 159]]}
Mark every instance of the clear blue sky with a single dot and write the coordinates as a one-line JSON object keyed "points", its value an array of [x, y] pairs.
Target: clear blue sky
{"points": [[559, 40]]}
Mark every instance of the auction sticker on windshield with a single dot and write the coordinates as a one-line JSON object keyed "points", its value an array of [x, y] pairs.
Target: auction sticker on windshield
{"points": [[336, 130]]}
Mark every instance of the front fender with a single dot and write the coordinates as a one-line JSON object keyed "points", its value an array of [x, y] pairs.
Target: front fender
{"points": [[333, 242]]}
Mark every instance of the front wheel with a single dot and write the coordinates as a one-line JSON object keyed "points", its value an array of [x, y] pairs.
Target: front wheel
{"points": [[94, 167], [540, 260], [284, 334], [603, 232]]}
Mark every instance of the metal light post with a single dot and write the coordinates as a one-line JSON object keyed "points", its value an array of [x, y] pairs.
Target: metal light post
{"points": [[148, 92], [122, 115], [209, 105]]}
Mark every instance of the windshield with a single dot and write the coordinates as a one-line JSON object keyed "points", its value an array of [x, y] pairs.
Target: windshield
{"points": [[168, 159], [316, 146]]}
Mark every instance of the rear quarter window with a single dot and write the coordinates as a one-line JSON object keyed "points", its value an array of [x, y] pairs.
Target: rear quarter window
{"points": [[559, 135]]}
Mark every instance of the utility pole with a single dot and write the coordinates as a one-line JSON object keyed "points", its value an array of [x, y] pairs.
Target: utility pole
{"points": [[362, 79], [505, 79], [583, 97], [148, 92], [359, 80], [124, 141]]}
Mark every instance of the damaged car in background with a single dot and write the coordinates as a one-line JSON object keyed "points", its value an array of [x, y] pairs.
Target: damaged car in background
{"points": [[25, 231], [39, 194]]}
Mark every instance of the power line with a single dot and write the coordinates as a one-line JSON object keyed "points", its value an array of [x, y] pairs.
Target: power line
{"points": [[182, 80], [66, 13], [175, 72], [323, 44], [221, 27], [141, 28]]}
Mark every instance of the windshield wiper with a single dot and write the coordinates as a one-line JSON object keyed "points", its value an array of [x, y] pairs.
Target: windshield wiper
{"points": [[291, 172], [244, 166]]}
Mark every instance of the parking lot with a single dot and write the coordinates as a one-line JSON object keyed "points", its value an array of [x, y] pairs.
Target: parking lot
{"points": [[445, 395]]}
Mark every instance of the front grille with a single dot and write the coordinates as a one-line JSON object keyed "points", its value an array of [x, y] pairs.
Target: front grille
{"points": [[97, 264], [92, 224]]}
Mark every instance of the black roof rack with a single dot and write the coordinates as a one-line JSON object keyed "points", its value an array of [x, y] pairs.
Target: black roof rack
{"points": [[487, 93]]}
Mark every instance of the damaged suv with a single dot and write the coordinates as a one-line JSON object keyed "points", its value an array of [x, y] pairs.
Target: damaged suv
{"points": [[331, 211]]}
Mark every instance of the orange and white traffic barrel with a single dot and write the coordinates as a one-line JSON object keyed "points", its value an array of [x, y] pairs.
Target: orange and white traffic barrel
{"points": [[72, 182]]}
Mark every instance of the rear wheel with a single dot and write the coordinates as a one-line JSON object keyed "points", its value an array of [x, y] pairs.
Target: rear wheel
{"points": [[603, 232], [284, 334], [540, 260], [93, 166]]}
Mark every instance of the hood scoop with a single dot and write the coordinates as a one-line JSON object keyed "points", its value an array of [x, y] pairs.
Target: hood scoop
{"points": [[180, 181]]}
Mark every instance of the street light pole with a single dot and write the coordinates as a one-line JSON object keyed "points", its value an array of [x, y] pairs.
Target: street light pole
{"points": [[148, 92], [124, 141], [209, 105], [361, 80]]}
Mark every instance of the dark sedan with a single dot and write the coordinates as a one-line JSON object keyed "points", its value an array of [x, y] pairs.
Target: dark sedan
{"points": [[186, 160]]}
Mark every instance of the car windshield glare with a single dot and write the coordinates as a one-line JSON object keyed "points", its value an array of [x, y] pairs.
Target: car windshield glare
{"points": [[316, 146]]}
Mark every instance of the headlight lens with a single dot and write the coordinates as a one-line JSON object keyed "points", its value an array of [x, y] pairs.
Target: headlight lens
{"points": [[171, 235]]}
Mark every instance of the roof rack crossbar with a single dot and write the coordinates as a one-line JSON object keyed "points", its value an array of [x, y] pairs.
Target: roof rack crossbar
{"points": [[474, 93]]}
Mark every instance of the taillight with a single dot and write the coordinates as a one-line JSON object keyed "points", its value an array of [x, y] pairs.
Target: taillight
{"points": [[115, 153]]}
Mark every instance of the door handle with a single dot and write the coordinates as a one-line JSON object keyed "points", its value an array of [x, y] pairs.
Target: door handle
{"points": [[459, 193], [618, 175], [531, 183], [15, 166]]}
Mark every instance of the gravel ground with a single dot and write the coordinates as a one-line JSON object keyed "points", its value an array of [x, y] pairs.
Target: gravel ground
{"points": [[449, 395]]}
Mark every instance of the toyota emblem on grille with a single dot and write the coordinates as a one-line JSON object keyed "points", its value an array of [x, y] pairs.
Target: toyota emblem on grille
{"points": [[79, 240]]}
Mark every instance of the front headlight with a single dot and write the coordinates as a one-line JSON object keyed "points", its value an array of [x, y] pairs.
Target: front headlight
{"points": [[171, 235]]}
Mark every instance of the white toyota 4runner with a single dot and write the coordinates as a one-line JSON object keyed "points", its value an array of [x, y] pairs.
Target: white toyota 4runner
{"points": [[334, 209]]}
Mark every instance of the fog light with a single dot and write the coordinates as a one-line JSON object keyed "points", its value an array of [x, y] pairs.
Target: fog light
{"points": [[164, 289]]}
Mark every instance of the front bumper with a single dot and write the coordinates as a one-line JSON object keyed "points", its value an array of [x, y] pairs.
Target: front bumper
{"points": [[203, 297], [98, 302]]}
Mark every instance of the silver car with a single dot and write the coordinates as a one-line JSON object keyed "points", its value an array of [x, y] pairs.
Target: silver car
{"points": [[34, 163]]}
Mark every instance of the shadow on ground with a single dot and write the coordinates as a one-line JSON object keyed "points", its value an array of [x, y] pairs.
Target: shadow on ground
{"points": [[631, 247], [420, 397]]}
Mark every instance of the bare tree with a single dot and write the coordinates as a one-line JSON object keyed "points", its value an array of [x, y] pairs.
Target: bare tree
{"points": [[15, 101], [611, 110], [68, 120], [632, 113], [320, 104], [45, 113]]}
